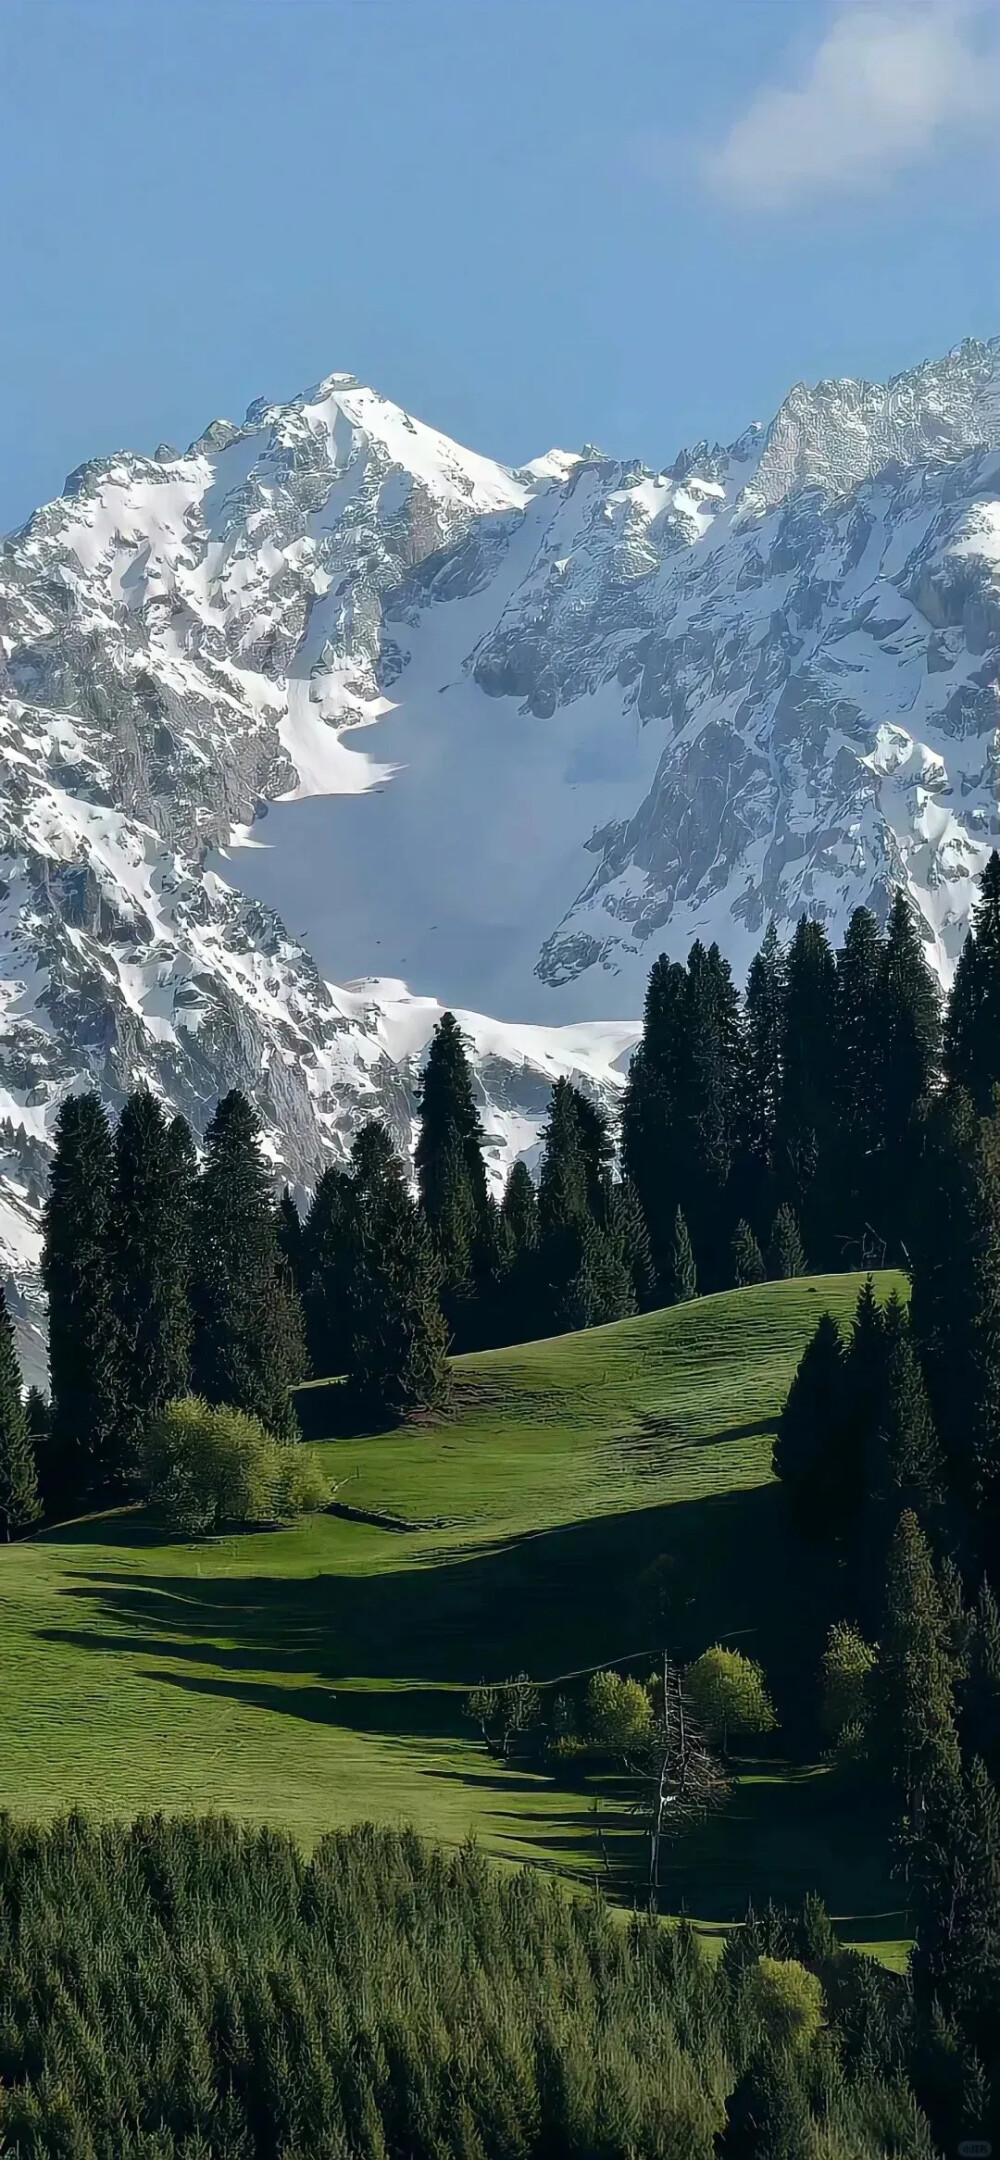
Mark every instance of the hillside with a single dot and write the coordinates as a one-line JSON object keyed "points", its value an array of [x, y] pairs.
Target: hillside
{"points": [[313, 1676]]}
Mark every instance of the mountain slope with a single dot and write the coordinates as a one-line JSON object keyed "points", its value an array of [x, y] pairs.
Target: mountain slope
{"points": [[328, 698]]}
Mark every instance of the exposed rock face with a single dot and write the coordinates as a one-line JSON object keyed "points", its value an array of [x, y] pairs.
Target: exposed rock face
{"points": [[504, 735]]}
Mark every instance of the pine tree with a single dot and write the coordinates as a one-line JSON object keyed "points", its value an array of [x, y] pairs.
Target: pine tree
{"points": [[248, 1348], [19, 1501], [915, 1683], [955, 1888], [707, 1098], [955, 1304], [290, 1233], [972, 1027], [808, 1453], [760, 1103], [681, 1275], [520, 1209], [79, 1278], [983, 1694], [748, 1260], [859, 1051], [451, 1174], [627, 1228], [564, 1216], [649, 1127], [398, 1361], [806, 1125], [602, 1288], [911, 1056], [325, 1265], [151, 1234], [786, 1253]]}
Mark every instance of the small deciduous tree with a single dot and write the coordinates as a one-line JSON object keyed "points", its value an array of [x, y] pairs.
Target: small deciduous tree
{"points": [[619, 1714], [504, 1711], [730, 1696], [847, 1667], [787, 2000]]}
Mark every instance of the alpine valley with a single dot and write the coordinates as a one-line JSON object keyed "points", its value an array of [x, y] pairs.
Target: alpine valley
{"points": [[327, 723]]}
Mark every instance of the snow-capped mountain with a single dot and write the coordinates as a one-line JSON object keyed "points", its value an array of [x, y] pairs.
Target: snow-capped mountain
{"points": [[329, 700]]}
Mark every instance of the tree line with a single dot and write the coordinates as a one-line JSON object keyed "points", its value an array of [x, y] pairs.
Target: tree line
{"points": [[198, 1990], [759, 1135]]}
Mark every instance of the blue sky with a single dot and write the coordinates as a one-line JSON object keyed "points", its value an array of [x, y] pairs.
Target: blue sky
{"points": [[631, 222]]}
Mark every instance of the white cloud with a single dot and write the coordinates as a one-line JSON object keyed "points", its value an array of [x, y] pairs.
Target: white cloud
{"points": [[885, 85]]}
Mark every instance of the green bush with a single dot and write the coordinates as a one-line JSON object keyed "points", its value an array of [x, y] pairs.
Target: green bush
{"points": [[729, 1694], [619, 1714], [787, 2000], [205, 1467]]}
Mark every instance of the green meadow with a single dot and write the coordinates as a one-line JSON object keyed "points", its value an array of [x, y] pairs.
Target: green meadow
{"points": [[314, 1676]]}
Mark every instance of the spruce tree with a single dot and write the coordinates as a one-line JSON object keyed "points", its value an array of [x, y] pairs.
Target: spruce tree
{"points": [[748, 1260], [289, 1230], [955, 1306], [520, 1209], [602, 1288], [680, 1282], [650, 1111], [564, 1216], [982, 1702], [954, 1878], [807, 1118], [760, 1098], [808, 1456], [79, 1278], [326, 1262], [972, 1027], [398, 1359], [859, 1051], [786, 1253], [19, 1502], [151, 1232], [915, 1683], [627, 1229], [451, 1174], [911, 1056], [707, 1099], [248, 1348]]}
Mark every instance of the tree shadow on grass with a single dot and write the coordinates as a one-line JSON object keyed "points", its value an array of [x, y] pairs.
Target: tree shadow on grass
{"points": [[551, 1603]]}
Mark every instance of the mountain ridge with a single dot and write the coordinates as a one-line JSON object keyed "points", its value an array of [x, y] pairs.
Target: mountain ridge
{"points": [[499, 735]]}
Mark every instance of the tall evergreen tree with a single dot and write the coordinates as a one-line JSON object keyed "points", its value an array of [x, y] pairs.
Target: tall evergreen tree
{"points": [[748, 1260], [972, 1028], [786, 1253], [807, 1117], [325, 1268], [915, 1683], [808, 1453], [650, 1109], [983, 1692], [955, 1888], [706, 1108], [760, 1097], [248, 1348], [681, 1275], [520, 1209], [19, 1502], [290, 1232], [519, 1301], [79, 1278], [398, 1360], [911, 1056], [151, 1234], [955, 1305], [451, 1174], [860, 1081], [564, 1216], [626, 1226]]}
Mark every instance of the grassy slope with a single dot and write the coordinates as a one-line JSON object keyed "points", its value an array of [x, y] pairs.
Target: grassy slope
{"points": [[310, 1676]]}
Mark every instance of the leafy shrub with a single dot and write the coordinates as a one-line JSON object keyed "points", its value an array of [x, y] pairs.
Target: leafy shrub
{"points": [[787, 2000], [619, 1714], [203, 1467], [729, 1693]]}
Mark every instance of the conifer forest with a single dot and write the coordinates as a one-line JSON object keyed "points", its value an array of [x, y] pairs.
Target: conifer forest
{"points": [[196, 1986]]}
